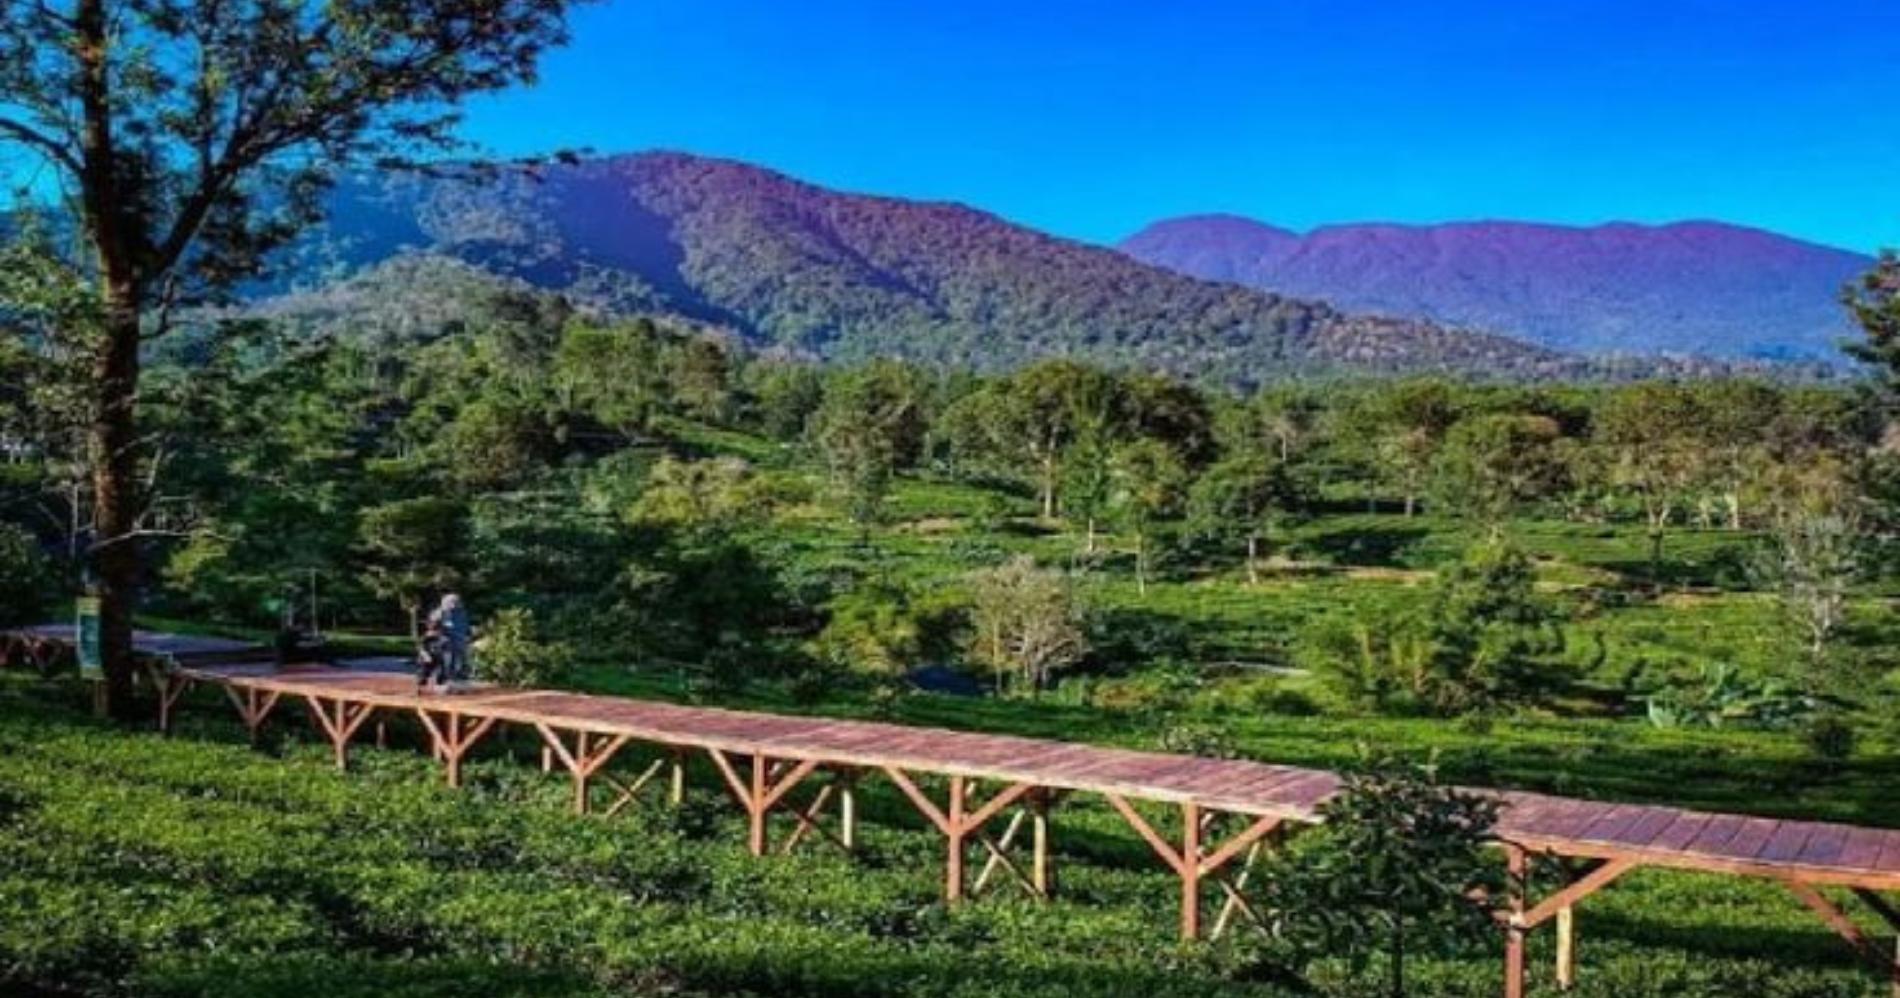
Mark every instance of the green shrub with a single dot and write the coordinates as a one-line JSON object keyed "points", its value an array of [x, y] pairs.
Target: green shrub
{"points": [[1830, 737], [512, 653], [28, 582]]}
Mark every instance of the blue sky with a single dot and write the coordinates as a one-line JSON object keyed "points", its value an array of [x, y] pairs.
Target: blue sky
{"points": [[1091, 119]]}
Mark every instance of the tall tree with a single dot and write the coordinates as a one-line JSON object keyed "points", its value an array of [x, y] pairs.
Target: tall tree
{"points": [[1400, 428], [1149, 485], [1647, 434], [1874, 302], [1491, 464], [196, 136]]}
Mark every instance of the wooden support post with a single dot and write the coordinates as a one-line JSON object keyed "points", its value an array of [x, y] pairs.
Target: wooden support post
{"points": [[584, 761], [1887, 966], [1191, 863], [1518, 871], [453, 738], [382, 733], [959, 823], [339, 722], [252, 707], [578, 765], [755, 810], [170, 689], [1190, 871], [1039, 872], [676, 794], [957, 834], [1566, 947], [848, 815]]}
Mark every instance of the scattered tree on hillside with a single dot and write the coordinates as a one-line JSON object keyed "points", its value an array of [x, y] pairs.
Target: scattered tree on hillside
{"points": [[1242, 496], [872, 424], [715, 494], [1647, 433], [1494, 640], [1026, 624], [1874, 302], [1490, 465], [412, 548], [612, 373], [1026, 423], [1149, 483], [195, 137], [1399, 429]]}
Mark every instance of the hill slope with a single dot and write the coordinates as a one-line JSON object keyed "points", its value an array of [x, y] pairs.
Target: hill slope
{"points": [[1691, 287], [788, 264]]}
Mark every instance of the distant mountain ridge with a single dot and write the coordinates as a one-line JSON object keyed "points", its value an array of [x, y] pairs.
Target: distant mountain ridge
{"points": [[789, 265], [1705, 288]]}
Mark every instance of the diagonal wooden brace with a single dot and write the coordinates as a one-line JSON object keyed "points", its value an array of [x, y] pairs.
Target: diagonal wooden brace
{"points": [[453, 738], [253, 706], [957, 823], [1843, 926]]}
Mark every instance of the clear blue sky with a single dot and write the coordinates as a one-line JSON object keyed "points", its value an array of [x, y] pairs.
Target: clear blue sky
{"points": [[1091, 119]]}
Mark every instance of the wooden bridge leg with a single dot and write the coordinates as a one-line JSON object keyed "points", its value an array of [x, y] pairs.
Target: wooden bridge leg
{"points": [[453, 738], [1566, 948], [1039, 871], [1518, 866], [169, 692], [676, 792], [848, 815], [755, 811], [1190, 871], [1888, 966], [957, 837]]}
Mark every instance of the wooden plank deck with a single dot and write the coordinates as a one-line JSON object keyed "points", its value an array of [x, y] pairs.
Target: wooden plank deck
{"points": [[763, 757]]}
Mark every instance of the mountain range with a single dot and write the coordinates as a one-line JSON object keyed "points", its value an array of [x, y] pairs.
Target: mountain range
{"points": [[789, 266], [1704, 288]]}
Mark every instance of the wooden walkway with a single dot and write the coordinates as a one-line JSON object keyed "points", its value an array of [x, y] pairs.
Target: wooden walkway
{"points": [[805, 769]]}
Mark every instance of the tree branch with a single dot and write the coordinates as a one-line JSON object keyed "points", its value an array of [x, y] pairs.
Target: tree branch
{"points": [[40, 142]]}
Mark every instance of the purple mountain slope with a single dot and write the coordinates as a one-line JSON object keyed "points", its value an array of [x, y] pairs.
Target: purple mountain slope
{"points": [[1692, 287]]}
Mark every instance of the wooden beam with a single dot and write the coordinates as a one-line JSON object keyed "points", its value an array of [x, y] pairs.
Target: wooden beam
{"points": [[1887, 966], [1566, 948], [1008, 796], [1253, 833], [1518, 870], [1160, 845], [1583, 887], [998, 849], [630, 791], [736, 785], [1190, 871], [755, 804], [955, 830], [923, 803], [1039, 868]]}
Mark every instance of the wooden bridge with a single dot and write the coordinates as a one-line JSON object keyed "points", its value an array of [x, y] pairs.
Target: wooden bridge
{"points": [[1229, 810]]}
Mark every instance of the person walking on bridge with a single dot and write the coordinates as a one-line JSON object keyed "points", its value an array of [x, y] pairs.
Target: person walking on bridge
{"points": [[451, 616]]}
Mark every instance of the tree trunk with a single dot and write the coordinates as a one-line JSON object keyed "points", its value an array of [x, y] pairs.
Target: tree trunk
{"points": [[1253, 559], [1411, 503], [116, 499], [1141, 564], [1089, 545], [1049, 487]]}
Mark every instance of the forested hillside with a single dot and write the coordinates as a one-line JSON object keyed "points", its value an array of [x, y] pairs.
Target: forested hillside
{"points": [[788, 265]]}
